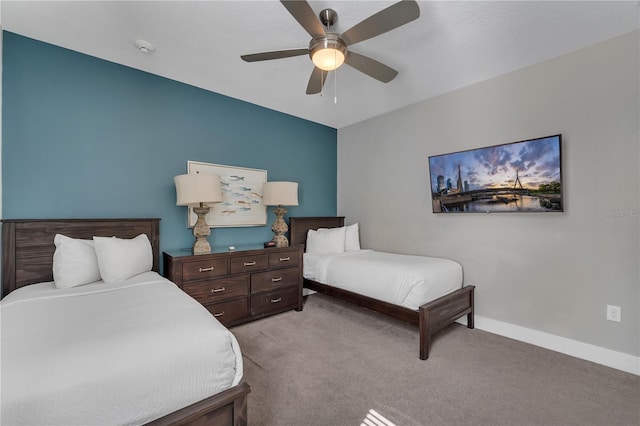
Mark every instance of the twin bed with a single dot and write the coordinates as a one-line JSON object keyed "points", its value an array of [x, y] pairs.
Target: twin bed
{"points": [[421, 290], [135, 351]]}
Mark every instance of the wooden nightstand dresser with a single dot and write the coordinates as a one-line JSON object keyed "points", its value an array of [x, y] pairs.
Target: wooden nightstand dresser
{"points": [[241, 285]]}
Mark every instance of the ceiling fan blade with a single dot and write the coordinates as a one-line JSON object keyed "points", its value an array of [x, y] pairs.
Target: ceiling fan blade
{"points": [[316, 81], [386, 20], [305, 16], [276, 54], [371, 67]]}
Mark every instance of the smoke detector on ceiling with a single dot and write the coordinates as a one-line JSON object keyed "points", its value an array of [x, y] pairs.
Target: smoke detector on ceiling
{"points": [[144, 46]]}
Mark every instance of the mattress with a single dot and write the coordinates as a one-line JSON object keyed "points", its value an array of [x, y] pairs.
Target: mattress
{"points": [[116, 353], [404, 280]]}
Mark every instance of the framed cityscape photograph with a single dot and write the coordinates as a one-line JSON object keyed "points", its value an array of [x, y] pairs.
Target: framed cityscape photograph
{"points": [[524, 176]]}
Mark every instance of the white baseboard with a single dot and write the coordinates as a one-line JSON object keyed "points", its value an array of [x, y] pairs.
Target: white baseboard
{"points": [[586, 351]]}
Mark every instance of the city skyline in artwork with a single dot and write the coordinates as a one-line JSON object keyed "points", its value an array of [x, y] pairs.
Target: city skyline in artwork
{"points": [[528, 164], [520, 176]]}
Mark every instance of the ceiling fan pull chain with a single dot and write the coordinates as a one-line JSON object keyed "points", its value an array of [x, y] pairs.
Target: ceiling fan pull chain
{"points": [[335, 83]]}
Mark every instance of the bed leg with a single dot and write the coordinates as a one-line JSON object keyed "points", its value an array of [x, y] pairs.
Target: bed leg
{"points": [[470, 314], [425, 336]]}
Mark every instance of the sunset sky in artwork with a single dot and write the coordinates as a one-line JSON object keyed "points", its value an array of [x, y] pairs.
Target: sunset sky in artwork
{"points": [[536, 162]]}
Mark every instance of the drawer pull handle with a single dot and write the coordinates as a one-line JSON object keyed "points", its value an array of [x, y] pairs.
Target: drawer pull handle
{"points": [[209, 269], [275, 280], [285, 259], [250, 263], [276, 300], [219, 314], [217, 290]]}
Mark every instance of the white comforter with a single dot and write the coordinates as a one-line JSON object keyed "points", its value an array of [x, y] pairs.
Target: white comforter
{"points": [[118, 353], [403, 280]]}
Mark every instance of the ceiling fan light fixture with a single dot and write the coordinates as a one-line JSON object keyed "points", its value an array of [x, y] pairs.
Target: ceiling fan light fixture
{"points": [[328, 59], [328, 53]]}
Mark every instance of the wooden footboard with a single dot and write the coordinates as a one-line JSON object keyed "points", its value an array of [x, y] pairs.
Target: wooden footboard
{"points": [[228, 408], [439, 313]]}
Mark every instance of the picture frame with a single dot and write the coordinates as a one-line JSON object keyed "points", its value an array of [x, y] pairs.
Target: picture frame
{"points": [[515, 177], [241, 193]]}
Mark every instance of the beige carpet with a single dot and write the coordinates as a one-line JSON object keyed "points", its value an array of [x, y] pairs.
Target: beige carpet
{"points": [[333, 362]]}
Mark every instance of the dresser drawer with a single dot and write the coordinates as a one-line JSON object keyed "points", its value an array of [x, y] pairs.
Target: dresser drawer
{"points": [[267, 281], [227, 312], [283, 259], [241, 264], [217, 290], [203, 269], [273, 301]]}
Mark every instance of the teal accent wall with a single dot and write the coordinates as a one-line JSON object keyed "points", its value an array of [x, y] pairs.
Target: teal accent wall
{"points": [[84, 137]]}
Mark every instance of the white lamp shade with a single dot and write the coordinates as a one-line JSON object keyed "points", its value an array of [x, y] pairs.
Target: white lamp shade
{"points": [[193, 189], [280, 194]]}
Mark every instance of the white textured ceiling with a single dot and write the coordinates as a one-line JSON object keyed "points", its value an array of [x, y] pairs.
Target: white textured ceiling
{"points": [[453, 44]]}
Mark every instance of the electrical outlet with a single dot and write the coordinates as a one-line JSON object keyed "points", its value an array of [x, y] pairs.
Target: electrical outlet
{"points": [[614, 313]]}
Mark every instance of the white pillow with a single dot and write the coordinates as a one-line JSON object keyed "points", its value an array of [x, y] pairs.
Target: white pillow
{"points": [[120, 259], [327, 241], [74, 262], [352, 238]]}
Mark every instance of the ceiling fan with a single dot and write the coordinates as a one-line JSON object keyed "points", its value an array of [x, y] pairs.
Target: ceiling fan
{"points": [[329, 50]]}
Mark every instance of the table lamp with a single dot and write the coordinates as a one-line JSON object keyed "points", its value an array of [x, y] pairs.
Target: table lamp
{"points": [[280, 194], [198, 190]]}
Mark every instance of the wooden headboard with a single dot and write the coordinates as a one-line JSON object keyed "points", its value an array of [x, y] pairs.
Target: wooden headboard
{"points": [[298, 226], [27, 245]]}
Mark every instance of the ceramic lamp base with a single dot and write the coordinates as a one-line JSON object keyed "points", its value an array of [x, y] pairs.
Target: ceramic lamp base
{"points": [[201, 231], [280, 228]]}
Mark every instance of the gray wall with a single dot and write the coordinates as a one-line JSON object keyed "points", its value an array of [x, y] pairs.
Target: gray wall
{"points": [[553, 273]]}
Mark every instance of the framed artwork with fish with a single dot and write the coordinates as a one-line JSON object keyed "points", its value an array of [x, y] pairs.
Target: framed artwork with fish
{"points": [[241, 193]]}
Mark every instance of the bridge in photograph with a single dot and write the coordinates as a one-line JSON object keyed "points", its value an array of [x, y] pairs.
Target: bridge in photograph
{"points": [[490, 192]]}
